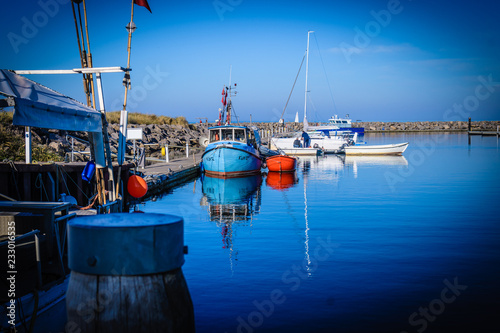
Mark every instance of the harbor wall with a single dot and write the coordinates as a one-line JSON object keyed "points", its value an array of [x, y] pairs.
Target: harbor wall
{"points": [[179, 138], [417, 126]]}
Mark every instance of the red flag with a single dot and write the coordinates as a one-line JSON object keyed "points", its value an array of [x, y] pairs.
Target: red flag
{"points": [[143, 3], [224, 95]]}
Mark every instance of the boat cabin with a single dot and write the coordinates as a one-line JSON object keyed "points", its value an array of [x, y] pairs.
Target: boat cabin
{"points": [[340, 122], [233, 133]]}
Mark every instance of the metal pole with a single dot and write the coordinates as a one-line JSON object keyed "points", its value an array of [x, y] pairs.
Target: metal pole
{"points": [[27, 140], [89, 54], [187, 149], [307, 73], [135, 151], [109, 162], [126, 81], [166, 154], [38, 262], [72, 149]]}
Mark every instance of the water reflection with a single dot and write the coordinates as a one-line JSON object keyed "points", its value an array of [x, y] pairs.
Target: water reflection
{"points": [[360, 161], [233, 199], [336, 164], [231, 202], [281, 181]]}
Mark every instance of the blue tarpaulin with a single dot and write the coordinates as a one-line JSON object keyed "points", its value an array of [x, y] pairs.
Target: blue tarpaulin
{"points": [[39, 106]]}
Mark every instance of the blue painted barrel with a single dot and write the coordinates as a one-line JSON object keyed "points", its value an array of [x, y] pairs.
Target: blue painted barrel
{"points": [[126, 274]]}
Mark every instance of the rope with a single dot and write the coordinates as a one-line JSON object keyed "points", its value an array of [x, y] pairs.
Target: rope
{"points": [[39, 184], [324, 71], [64, 180], [35, 312], [14, 172], [296, 77], [90, 205], [78, 187]]}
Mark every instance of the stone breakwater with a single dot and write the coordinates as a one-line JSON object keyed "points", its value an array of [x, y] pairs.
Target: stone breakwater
{"points": [[459, 126], [155, 137], [417, 126]]}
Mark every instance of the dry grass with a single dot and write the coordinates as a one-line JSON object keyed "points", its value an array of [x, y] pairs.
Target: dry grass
{"points": [[12, 144], [146, 119]]}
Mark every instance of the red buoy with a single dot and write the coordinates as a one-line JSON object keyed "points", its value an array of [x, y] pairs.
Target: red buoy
{"points": [[137, 186]]}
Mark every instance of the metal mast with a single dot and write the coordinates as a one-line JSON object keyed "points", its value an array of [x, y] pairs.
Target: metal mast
{"points": [[307, 72]]}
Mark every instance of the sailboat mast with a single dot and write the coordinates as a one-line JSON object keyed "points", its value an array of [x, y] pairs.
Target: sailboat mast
{"points": [[307, 72]]}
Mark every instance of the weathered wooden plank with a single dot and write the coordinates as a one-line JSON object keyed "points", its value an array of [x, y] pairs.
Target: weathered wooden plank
{"points": [[81, 303]]}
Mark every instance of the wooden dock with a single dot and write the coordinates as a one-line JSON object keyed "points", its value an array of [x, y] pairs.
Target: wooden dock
{"points": [[162, 176], [484, 133]]}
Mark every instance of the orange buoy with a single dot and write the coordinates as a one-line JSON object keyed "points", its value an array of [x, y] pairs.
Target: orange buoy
{"points": [[137, 186]]}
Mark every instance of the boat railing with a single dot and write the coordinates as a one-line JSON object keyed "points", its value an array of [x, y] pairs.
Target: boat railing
{"points": [[110, 207], [22, 266], [73, 138]]}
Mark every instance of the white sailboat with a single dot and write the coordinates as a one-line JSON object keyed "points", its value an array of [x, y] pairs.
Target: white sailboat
{"points": [[318, 140]]}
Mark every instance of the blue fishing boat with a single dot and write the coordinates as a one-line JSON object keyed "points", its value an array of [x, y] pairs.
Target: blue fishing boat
{"points": [[232, 150]]}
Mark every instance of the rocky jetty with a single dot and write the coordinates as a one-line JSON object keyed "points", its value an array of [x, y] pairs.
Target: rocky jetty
{"points": [[425, 126], [155, 137], [418, 126]]}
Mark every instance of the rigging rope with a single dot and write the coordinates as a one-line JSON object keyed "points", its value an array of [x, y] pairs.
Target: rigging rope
{"points": [[296, 77], [326, 77]]}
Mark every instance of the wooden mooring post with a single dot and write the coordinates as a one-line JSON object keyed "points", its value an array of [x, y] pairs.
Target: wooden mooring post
{"points": [[126, 274]]}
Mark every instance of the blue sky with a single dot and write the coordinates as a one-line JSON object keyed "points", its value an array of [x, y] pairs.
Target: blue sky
{"points": [[408, 60]]}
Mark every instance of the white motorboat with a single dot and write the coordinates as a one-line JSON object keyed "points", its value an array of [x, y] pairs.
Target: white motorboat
{"points": [[302, 151], [317, 139], [338, 125], [390, 149]]}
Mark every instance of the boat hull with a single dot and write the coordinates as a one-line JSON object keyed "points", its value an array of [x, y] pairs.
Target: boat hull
{"points": [[392, 149], [227, 160], [50, 313], [302, 151], [281, 163], [327, 145]]}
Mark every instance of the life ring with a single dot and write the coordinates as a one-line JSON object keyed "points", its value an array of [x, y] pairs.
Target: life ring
{"points": [[315, 145]]}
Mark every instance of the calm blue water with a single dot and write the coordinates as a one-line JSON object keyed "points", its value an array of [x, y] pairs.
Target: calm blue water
{"points": [[387, 244]]}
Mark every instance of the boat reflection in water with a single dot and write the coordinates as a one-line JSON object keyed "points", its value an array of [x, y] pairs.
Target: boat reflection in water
{"points": [[333, 166], [281, 181], [368, 161], [231, 202]]}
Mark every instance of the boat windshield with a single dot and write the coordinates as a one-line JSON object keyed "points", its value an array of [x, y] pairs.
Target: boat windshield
{"points": [[227, 134], [232, 134], [214, 135], [239, 135]]}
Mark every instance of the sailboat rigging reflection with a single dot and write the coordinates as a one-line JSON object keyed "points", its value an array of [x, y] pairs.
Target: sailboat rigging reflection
{"points": [[231, 202]]}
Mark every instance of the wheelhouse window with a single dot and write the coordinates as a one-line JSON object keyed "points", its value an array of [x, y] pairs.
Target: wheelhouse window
{"points": [[227, 134], [239, 134], [214, 135]]}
